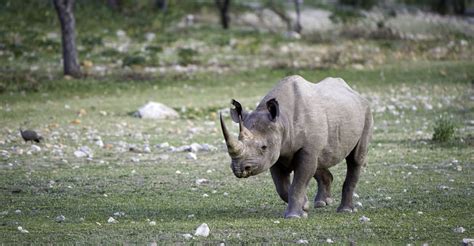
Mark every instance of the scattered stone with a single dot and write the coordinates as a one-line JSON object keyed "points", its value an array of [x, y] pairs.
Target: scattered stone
{"points": [[146, 149], [226, 194], [163, 145], [163, 157], [135, 159], [154, 110], [111, 220], [187, 236], [191, 156], [22, 230], [358, 204], [35, 148], [152, 223], [364, 219], [356, 195], [202, 231], [83, 151], [459, 229], [202, 181], [276, 222], [60, 218], [18, 211], [119, 214], [329, 240], [205, 195], [178, 172], [302, 241], [468, 241], [190, 216], [443, 187]]}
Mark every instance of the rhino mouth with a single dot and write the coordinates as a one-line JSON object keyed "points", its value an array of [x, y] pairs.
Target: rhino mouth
{"points": [[244, 170]]}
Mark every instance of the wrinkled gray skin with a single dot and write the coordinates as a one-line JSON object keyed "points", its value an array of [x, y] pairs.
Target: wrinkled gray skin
{"points": [[305, 128]]}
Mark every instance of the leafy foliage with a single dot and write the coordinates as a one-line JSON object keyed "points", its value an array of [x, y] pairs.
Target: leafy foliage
{"points": [[444, 129]]}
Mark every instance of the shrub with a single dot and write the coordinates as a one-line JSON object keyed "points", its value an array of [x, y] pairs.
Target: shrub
{"points": [[187, 56], [443, 130]]}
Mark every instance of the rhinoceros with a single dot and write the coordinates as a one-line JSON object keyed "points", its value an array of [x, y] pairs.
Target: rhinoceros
{"points": [[305, 128]]}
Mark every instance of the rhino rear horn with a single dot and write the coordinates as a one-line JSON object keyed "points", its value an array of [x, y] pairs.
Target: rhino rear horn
{"points": [[234, 146]]}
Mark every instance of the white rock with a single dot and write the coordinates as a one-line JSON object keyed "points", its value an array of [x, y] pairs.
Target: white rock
{"points": [[83, 151], [276, 222], [195, 147], [149, 36], [99, 143], [459, 229], [163, 145], [18, 211], [205, 195], [302, 241], [358, 204], [356, 195], [226, 194], [187, 236], [202, 230], [364, 219], [135, 159], [178, 172], [468, 241], [111, 220], [119, 214], [22, 230], [35, 148], [147, 149], [191, 156], [208, 147], [154, 110], [190, 216], [329, 240], [60, 218], [152, 223], [202, 181]]}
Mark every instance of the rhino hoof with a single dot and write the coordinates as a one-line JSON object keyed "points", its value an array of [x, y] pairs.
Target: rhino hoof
{"points": [[296, 216], [320, 204], [345, 210]]}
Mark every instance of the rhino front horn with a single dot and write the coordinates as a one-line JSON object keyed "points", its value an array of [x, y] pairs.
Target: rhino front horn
{"points": [[234, 146]]}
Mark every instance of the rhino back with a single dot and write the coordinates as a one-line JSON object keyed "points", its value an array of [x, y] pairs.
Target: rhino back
{"points": [[326, 117]]}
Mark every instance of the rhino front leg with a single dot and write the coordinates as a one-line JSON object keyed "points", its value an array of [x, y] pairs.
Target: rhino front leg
{"points": [[324, 179], [281, 178], [305, 168]]}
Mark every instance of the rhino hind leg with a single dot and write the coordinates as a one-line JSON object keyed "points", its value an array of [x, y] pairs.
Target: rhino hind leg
{"points": [[324, 179]]}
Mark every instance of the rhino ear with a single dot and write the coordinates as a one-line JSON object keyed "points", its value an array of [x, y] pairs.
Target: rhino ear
{"points": [[273, 109], [236, 113]]}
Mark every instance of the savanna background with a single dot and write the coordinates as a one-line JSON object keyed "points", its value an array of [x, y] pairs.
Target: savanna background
{"points": [[104, 176]]}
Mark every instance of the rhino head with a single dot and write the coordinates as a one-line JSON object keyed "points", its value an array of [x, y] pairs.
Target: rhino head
{"points": [[258, 145]]}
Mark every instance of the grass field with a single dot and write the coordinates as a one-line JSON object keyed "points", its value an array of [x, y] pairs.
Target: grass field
{"points": [[413, 190]]}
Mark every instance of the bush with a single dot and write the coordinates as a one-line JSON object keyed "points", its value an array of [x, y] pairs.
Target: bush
{"points": [[443, 130], [133, 60], [187, 56]]}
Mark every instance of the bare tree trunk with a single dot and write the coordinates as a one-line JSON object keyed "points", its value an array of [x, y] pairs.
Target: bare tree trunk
{"points": [[65, 10], [114, 4], [298, 27], [223, 6], [162, 5]]}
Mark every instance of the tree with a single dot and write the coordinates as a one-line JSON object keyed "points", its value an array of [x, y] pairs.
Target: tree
{"points": [[298, 27], [114, 4], [162, 5], [65, 10], [223, 6]]}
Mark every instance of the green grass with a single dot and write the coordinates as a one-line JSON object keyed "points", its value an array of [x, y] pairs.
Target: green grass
{"points": [[405, 174]]}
